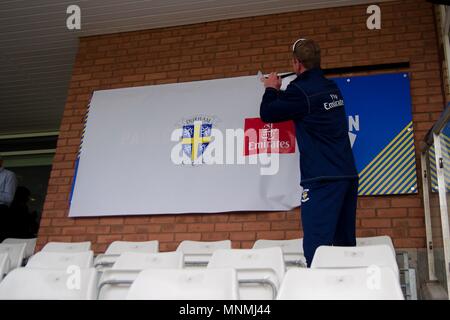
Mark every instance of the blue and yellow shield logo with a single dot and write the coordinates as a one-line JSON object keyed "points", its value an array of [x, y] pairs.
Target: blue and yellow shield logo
{"points": [[196, 138]]}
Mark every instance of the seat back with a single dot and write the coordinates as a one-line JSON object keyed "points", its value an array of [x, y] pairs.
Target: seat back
{"points": [[355, 257], [185, 284], [116, 248], [49, 284], [378, 283], [287, 246], [115, 283], [371, 241], [141, 261], [67, 246], [61, 260], [16, 254], [260, 271], [119, 247], [292, 250], [30, 245], [198, 253], [4, 265]]}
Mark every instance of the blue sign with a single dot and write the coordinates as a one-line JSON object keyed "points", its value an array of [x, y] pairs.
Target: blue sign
{"points": [[381, 131]]}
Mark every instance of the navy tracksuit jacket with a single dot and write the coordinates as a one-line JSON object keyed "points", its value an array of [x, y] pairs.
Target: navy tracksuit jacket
{"points": [[328, 174]]}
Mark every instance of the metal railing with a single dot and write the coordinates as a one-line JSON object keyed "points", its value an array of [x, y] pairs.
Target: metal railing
{"points": [[407, 276], [435, 162]]}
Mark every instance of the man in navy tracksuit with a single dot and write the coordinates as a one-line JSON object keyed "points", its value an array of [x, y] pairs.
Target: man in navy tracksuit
{"points": [[328, 173]]}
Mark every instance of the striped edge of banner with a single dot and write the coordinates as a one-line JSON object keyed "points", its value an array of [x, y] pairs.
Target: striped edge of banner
{"points": [[393, 170]]}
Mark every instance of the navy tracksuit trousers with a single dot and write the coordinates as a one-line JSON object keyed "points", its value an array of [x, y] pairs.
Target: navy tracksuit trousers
{"points": [[328, 214]]}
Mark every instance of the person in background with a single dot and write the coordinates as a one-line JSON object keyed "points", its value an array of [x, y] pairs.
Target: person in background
{"points": [[8, 184]]}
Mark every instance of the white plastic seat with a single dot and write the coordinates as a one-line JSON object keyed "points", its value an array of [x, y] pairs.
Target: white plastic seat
{"points": [[292, 250], [371, 241], [16, 254], [355, 257], [376, 283], [67, 246], [141, 261], [119, 247], [115, 282], [198, 253], [260, 271], [30, 245], [45, 284], [61, 260], [4, 264], [185, 284], [116, 248]]}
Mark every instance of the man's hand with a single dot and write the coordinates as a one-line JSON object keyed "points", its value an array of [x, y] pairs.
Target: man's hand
{"points": [[273, 81]]}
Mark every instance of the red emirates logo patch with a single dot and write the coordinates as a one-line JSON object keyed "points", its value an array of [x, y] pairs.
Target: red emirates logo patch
{"points": [[263, 137]]}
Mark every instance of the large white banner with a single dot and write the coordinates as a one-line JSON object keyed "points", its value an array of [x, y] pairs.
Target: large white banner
{"points": [[194, 147]]}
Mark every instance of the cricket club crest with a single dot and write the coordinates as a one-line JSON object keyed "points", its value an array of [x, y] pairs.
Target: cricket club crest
{"points": [[305, 195], [196, 136]]}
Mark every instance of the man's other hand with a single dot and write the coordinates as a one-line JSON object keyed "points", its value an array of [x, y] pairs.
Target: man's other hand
{"points": [[273, 81]]}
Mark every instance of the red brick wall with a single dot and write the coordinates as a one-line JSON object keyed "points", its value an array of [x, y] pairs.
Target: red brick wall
{"points": [[240, 47], [445, 71]]}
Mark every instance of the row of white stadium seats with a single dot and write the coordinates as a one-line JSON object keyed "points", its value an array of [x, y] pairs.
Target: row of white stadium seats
{"points": [[196, 253], [258, 273], [205, 284]]}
